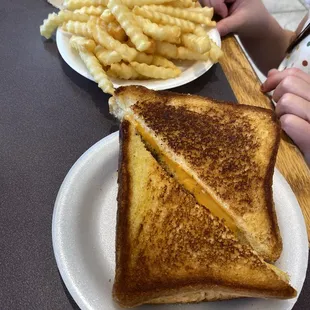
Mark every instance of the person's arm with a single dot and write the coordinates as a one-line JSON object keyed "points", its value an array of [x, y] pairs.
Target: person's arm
{"points": [[260, 34], [267, 49]]}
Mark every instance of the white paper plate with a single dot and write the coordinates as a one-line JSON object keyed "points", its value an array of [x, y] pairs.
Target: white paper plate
{"points": [[83, 233], [191, 70]]}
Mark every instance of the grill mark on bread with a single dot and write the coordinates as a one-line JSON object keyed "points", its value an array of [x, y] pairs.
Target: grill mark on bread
{"points": [[228, 152], [170, 235], [170, 240]]}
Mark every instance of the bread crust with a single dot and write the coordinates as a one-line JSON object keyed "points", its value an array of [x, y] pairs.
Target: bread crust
{"points": [[122, 244], [145, 94]]}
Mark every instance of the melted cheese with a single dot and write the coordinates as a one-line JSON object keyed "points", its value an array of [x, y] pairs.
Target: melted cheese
{"points": [[188, 182]]}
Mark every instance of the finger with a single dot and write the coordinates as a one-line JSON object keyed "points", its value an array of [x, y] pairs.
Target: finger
{"points": [[215, 4], [228, 25], [292, 104], [299, 130], [271, 72], [274, 78], [205, 2], [293, 85], [219, 7]]}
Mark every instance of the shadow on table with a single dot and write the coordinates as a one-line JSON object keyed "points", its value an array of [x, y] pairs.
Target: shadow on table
{"points": [[213, 84], [98, 96], [71, 300]]}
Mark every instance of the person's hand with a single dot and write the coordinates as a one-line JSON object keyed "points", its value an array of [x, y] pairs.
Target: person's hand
{"points": [[292, 94], [244, 17]]}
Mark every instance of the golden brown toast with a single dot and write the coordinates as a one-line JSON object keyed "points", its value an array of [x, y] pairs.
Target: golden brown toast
{"points": [[171, 249], [226, 152]]}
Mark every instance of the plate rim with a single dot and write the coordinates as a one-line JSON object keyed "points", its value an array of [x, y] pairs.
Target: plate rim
{"points": [[55, 242], [96, 147]]}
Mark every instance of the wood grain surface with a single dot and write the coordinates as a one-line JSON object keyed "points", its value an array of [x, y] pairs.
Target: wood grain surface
{"points": [[246, 87]]}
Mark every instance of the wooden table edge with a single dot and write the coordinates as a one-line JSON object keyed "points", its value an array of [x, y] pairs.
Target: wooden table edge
{"points": [[246, 87]]}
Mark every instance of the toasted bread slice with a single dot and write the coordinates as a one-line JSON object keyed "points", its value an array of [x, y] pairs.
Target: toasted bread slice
{"points": [[171, 249], [221, 152]]}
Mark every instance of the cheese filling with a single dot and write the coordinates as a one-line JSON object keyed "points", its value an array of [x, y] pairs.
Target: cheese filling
{"points": [[187, 181]]}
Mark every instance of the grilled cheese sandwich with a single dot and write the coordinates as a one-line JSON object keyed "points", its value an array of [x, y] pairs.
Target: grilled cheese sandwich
{"points": [[224, 154], [171, 249]]}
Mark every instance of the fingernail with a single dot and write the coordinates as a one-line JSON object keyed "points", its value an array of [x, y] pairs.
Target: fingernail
{"points": [[262, 88], [272, 71]]}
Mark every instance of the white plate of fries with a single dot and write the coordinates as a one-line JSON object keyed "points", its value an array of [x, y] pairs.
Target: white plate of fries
{"points": [[191, 70], [159, 44]]}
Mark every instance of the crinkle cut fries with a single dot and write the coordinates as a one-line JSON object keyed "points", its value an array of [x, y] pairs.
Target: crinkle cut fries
{"points": [[135, 39]]}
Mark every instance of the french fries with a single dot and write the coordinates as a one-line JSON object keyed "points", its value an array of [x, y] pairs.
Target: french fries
{"points": [[107, 16], [77, 4], [155, 72], [91, 10], [77, 28], [160, 61], [76, 42], [182, 3], [55, 20], [116, 31], [215, 52], [127, 20], [103, 38], [144, 58], [132, 3], [95, 70], [135, 39], [107, 57], [187, 54], [49, 25], [161, 18], [208, 12], [159, 32], [167, 50], [124, 71], [186, 14], [68, 15], [196, 43]]}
